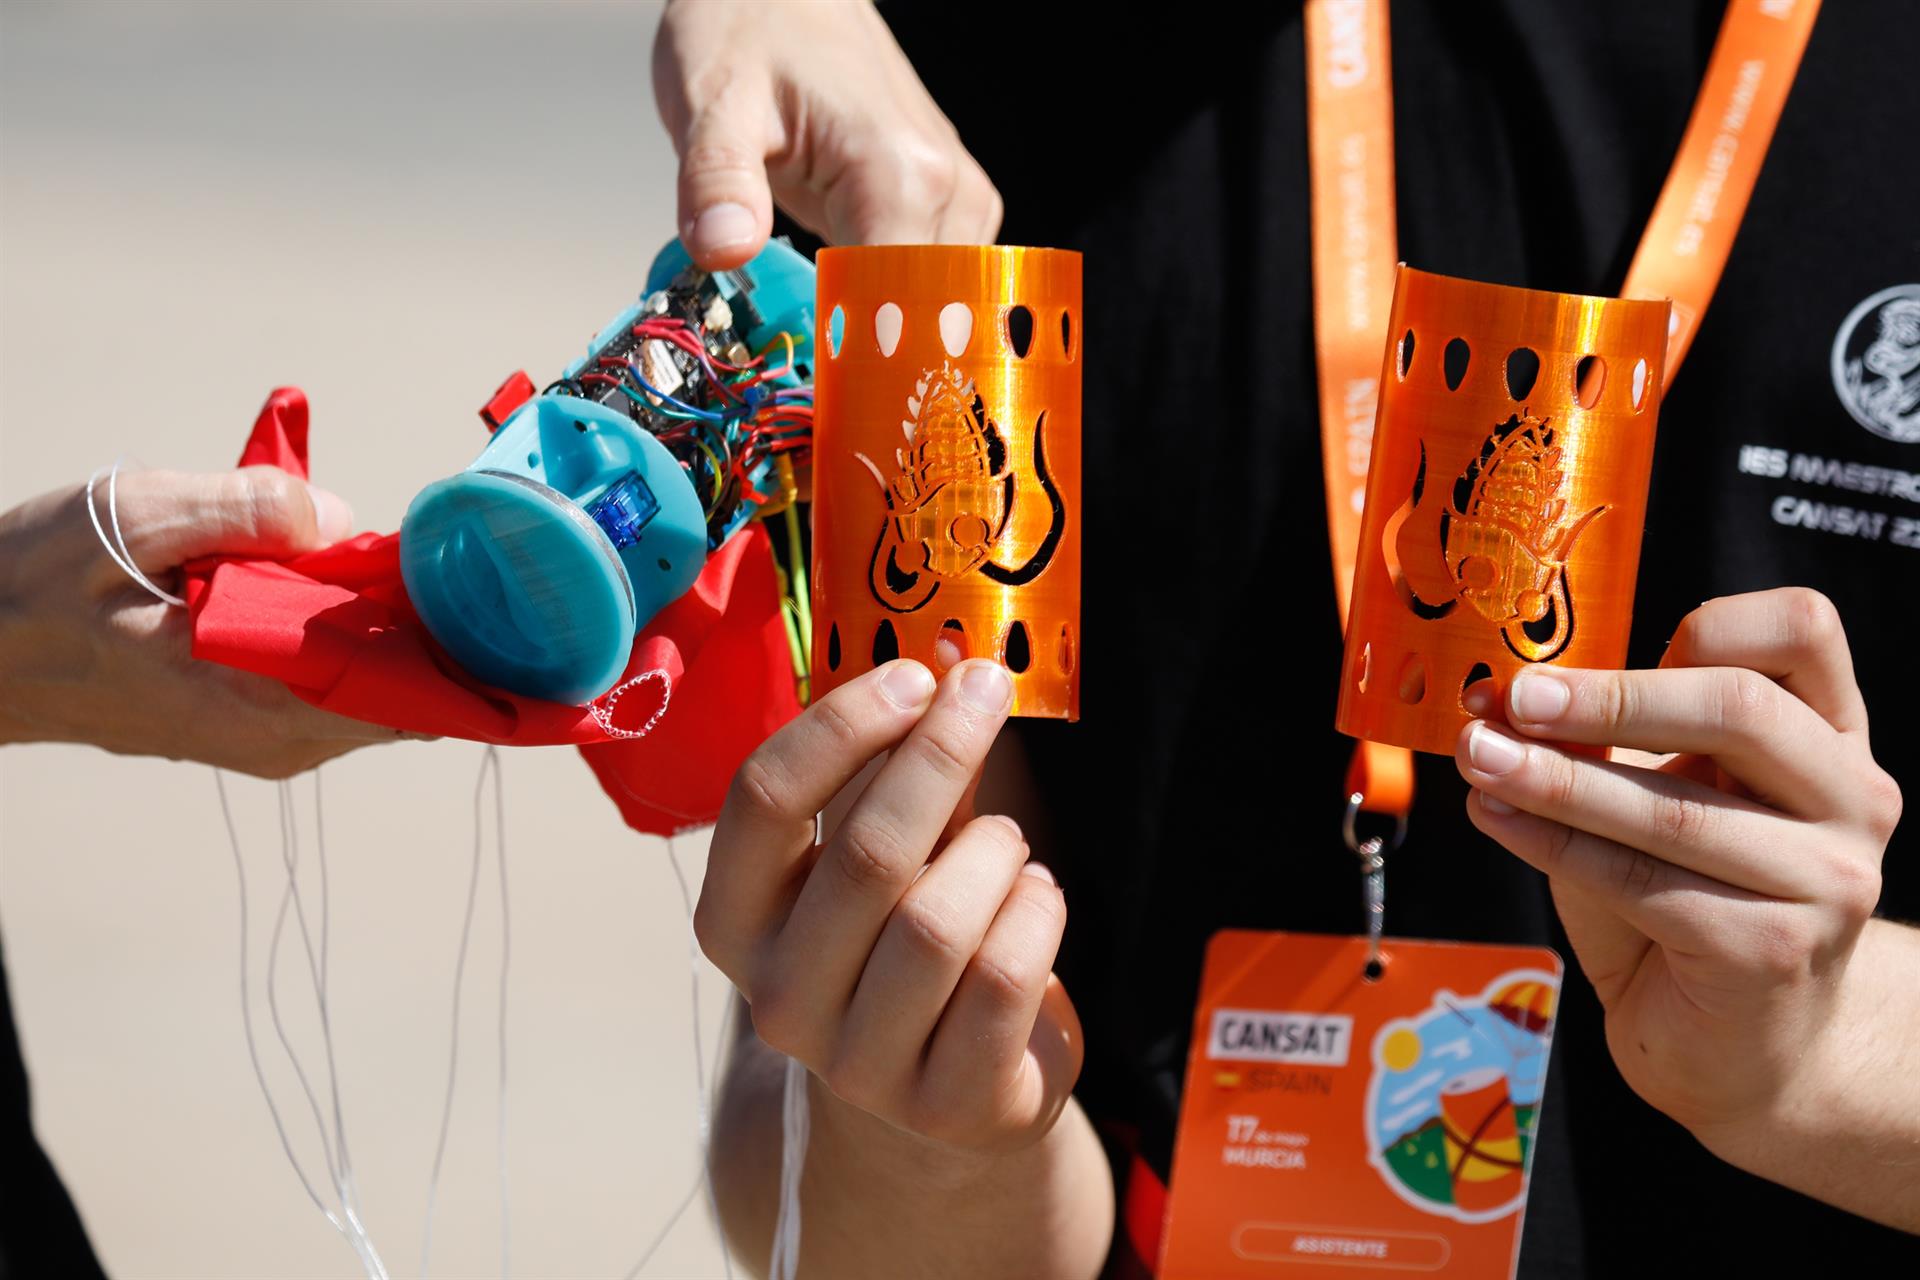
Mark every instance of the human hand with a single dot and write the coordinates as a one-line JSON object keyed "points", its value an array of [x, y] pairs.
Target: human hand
{"points": [[87, 655], [907, 961], [813, 106], [1714, 877]]}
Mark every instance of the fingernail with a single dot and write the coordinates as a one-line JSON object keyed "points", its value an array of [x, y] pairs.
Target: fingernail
{"points": [[1010, 825], [1492, 751], [985, 686], [1039, 871], [1538, 698], [907, 684], [721, 226], [331, 515], [1495, 805]]}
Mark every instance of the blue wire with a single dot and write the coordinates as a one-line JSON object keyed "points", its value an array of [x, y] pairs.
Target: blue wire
{"points": [[665, 399]]}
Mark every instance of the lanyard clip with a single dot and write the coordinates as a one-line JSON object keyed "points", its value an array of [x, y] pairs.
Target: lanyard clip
{"points": [[1372, 853]]}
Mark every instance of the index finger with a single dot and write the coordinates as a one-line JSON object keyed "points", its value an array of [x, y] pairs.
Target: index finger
{"points": [[766, 828], [1791, 635]]}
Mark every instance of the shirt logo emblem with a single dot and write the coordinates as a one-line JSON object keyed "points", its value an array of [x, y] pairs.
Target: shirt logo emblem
{"points": [[1876, 363]]}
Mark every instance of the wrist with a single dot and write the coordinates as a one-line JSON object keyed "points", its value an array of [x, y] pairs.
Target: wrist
{"points": [[1829, 1090], [890, 1151]]}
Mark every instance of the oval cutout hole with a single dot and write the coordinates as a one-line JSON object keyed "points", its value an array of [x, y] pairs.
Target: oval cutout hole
{"points": [[1639, 385], [1366, 668], [950, 646], [1480, 672], [1020, 331], [1523, 370], [533, 459], [836, 330], [1413, 680], [1589, 377], [833, 647], [888, 321], [1454, 361], [1406, 352], [1066, 334], [1066, 650], [1019, 655], [886, 645], [956, 327]]}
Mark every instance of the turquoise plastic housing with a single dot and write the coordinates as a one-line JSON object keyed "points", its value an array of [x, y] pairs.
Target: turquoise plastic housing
{"points": [[513, 564], [536, 566]]}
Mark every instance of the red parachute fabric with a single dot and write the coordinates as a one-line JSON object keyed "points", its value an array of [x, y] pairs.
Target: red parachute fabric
{"points": [[709, 679]]}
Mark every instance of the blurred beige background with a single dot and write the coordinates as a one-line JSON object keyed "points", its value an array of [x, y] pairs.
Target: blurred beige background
{"points": [[391, 205]]}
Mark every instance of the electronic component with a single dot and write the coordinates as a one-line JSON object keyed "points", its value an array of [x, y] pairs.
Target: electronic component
{"points": [[596, 502]]}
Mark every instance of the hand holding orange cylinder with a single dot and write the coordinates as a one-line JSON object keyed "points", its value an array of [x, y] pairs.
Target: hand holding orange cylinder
{"points": [[1505, 500], [946, 488]]}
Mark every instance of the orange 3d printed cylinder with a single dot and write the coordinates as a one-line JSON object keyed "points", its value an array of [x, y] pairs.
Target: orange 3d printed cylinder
{"points": [[1505, 500], [946, 465]]}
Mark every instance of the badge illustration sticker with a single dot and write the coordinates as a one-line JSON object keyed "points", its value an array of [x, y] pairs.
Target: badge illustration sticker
{"points": [[1454, 1093]]}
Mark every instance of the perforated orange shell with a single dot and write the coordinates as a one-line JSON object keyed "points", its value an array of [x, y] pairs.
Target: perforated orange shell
{"points": [[946, 464], [1503, 514]]}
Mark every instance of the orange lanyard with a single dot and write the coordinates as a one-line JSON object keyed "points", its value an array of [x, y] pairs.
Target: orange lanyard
{"points": [[1350, 145]]}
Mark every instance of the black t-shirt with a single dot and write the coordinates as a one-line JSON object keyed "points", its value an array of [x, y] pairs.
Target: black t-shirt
{"points": [[1203, 788], [40, 1234]]}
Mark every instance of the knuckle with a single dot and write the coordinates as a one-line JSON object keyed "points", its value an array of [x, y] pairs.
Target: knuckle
{"points": [[935, 170], [1855, 886], [1616, 699], [1813, 622], [868, 854], [1679, 821], [707, 931], [761, 787], [947, 750], [1559, 844], [836, 724], [1004, 978], [1885, 804], [1785, 943], [1637, 872], [708, 156], [928, 933], [776, 1018], [1560, 781], [1685, 645], [270, 504], [1746, 703]]}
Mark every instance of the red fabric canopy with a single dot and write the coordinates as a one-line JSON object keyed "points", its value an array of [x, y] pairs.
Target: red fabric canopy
{"points": [[709, 679]]}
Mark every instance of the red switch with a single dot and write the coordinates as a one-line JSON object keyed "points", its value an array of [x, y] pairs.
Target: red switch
{"points": [[514, 392]]}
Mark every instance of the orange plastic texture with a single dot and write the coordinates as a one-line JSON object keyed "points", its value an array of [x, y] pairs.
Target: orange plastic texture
{"points": [[946, 464], [1503, 520]]}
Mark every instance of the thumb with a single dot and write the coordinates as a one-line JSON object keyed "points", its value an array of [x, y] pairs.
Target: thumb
{"points": [[726, 206], [169, 518]]}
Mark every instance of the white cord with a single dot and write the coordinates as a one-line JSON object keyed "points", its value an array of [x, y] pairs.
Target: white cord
{"points": [[122, 556], [351, 1230], [344, 1183], [246, 1017], [489, 759], [795, 1121]]}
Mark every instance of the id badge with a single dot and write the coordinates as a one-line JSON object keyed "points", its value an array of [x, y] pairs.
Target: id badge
{"points": [[1340, 1127]]}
